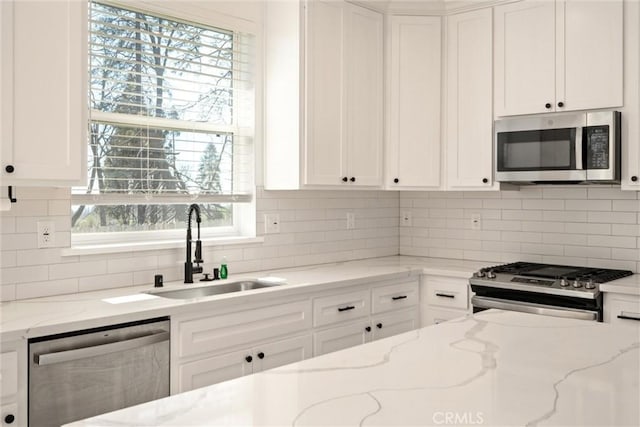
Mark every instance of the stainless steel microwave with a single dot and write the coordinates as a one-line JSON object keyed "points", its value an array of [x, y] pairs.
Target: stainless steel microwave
{"points": [[559, 148]]}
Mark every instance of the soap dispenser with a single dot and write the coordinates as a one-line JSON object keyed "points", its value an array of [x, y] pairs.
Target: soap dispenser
{"points": [[223, 268]]}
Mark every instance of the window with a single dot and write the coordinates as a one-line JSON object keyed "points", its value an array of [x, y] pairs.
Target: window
{"points": [[171, 123]]}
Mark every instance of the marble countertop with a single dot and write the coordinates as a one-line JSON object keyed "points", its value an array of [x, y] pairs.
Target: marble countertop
{"points": [[25, 319], [491, 368], [627, 285]]}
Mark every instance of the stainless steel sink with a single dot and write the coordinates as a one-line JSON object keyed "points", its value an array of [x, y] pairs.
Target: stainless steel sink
{"points": [[217, 289]]}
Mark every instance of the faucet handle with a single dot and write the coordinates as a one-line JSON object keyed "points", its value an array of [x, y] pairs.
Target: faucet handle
{"points": [[196, 269]]}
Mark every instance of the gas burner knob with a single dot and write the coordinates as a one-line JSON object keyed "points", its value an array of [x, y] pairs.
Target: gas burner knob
{"points": [[590, 284], [577, 284], [491, 274], [564, 282], [479, 274]]}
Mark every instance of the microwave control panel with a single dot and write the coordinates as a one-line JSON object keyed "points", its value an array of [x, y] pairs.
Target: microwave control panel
{"points": [[597, 147]]}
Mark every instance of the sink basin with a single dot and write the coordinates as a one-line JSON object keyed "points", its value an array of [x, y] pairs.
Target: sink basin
{"points": [[217, 289]]}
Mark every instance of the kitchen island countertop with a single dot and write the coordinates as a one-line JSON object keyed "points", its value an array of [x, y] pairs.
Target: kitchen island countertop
{"points": [[491, 368]]}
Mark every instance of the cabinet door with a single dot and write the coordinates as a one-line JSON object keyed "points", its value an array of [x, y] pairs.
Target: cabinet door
{"points": [[324, 154], [589, 54], [630, 176], [43, 92], [469, 100], [272, 355], [10, 416], [363, 73], [212, 370], [413, 138], [525, 69], [341, 337], [394, 323]]}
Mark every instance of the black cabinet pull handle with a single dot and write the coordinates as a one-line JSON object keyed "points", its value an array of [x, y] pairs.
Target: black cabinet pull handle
{"points": [[485, 180], [345, 179], [400, 297], [396, 180], [634, 178], [368, 329], [261, 355], [547, 105], [9, 419], [445, 295], [622, 316], [249, 359], [353, 179], [9, 169], [560, 104], [379, 325], [349, 307]]}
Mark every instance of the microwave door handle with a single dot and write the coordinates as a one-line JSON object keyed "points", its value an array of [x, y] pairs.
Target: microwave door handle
{"points": [[580, 145]]}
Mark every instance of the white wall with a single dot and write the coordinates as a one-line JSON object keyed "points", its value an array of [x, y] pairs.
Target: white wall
{"points": [[593, 226], [313, 230]]}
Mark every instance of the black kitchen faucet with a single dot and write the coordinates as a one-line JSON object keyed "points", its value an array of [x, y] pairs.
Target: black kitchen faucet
{"points": [[189, 268]]}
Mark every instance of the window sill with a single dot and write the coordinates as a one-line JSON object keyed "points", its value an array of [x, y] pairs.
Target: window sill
{"points": [[150, 246]]}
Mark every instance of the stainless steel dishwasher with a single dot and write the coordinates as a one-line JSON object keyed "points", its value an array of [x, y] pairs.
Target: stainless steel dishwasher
{"points": [[78, 375]]}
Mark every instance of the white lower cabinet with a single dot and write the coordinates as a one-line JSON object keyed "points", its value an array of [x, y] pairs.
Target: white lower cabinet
{"points": [[13, 383], [394, 323], [235, 364], [443, 298], [341, 337], [620, 309], [209, 349]]}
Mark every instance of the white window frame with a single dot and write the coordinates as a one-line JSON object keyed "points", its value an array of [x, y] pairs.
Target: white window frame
{"points": [[244, 213]]}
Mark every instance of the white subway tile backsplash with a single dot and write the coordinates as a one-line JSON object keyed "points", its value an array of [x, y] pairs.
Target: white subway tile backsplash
{"points": [[48, 288], [80, 269], [562, 225], [107, 281]]}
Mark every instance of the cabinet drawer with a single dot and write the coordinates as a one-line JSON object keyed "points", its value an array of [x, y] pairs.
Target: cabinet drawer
{"points": [[214, 333], [622, 310], [340, 308], [447, 292], [392, 297], [213, 370], [8, 373]]}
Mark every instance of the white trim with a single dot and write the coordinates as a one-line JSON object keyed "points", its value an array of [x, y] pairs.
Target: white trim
{"points": [[149, 246]]}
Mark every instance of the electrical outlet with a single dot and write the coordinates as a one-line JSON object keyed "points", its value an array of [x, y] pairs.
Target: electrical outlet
{"points": [[476, 221], [271, 223], [46, 234], [351, 220], [406, 220]]}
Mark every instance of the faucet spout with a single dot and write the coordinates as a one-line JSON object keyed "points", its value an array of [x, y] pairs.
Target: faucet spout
{"points": [[189, 268]]}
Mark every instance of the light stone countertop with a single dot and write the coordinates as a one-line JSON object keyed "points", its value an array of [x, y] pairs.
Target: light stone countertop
{"points": [[492, 368], [36, 317]]}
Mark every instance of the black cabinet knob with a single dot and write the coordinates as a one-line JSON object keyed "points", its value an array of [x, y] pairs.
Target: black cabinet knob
{"points": [[353, 179], [261, 355], [9, 419], [396, 180], [485, 180], [249, 359], [379, 325], [634, 178], [9, 168], [560, 104], [368, 329], [547, 105], [345, 179]]}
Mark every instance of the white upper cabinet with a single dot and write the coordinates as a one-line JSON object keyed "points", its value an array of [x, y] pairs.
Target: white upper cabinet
{"points": [[630, 177], [469, 118], [43, 92], [323, 121], [414, 103], [558, 56]]}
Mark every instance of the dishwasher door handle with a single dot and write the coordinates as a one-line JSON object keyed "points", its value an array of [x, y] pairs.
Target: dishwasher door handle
{"points": [[100, 349]]}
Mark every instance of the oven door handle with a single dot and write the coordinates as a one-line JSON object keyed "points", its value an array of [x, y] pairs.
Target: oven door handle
{"points": [[546, 310]]}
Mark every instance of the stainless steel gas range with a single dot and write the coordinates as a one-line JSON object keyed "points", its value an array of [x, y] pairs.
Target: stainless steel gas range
{"points": [[547, 289]]}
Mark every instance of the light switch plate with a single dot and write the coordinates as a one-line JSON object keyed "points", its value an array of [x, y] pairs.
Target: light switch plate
{"points": [[271, 223], [476, 221]]}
